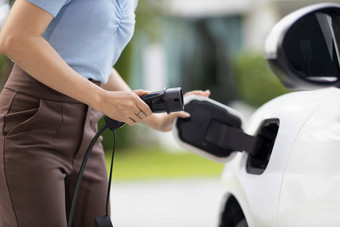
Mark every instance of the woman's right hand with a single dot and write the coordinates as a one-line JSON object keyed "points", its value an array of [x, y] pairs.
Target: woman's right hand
{"points": [[124, 106]]}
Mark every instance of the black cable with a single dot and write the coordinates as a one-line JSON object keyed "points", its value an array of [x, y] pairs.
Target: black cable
{"points": [[169, 98], [110, 177], [80, 174]]}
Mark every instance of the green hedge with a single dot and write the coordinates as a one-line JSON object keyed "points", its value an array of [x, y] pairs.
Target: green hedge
{"points": [[256, 84], [3, 61]]}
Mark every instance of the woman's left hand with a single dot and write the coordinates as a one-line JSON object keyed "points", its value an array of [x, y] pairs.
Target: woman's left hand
{"points": [[164, 122]]}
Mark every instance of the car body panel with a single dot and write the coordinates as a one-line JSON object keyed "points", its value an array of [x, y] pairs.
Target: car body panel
{"points": [[310, 192], [259, 195]]}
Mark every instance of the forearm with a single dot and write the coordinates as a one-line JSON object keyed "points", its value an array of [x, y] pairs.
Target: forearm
{"points": [[21, 40], [36, 56], [153, 121], [47, 66]]}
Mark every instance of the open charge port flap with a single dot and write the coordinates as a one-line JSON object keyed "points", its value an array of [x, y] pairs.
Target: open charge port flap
{"points": [[232, 138], [214, 130], [268, 130]]}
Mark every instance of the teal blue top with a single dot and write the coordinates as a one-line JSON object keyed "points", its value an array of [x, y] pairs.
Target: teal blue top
{"points": [[89, 34]]}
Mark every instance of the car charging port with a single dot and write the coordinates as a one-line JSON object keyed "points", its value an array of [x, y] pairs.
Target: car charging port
{"points": [[257, 163], [216, 131]]}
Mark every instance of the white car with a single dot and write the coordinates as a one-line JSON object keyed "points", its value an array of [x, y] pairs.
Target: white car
{"points": [[287, 172]]}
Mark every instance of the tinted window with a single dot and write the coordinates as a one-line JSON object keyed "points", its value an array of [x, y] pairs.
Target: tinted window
{"points": [[311, 47]]}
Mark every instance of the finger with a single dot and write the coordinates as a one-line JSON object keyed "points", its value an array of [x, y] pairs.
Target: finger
{"points": [[141, 92], [182, 114], [137, 111], [136, 118], [139, 115], [195, 92], [130, 122], [207, 93], [139, 118], [143, 107], [140, 104], [142, 115]]}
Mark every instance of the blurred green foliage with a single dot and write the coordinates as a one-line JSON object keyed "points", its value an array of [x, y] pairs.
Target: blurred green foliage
{"points": [[256, 84], [3, 61], [149, 18], [152, 162], [5, 69]]}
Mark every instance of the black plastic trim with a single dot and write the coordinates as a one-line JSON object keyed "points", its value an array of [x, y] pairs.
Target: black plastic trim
{"points": [[232, 214], [268, 131], [194, 130]]}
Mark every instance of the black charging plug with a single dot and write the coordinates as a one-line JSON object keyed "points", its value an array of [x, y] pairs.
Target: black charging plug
{"points": [[167, 100]]}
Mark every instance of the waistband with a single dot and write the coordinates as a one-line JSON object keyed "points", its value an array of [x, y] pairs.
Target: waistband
{"points": [[22, 82]]}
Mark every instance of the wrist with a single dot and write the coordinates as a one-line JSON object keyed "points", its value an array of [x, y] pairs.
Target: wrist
{"points": [[153, 121], [98, 98]]}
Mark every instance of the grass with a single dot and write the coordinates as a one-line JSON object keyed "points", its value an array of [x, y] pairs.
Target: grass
{"points": [[157, 163]]}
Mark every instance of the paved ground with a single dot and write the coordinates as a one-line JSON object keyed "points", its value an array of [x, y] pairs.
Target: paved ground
{"points": [[172, 203]]}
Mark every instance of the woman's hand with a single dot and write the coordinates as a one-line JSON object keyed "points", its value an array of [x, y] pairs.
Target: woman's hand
{"points": [[164, 122], [125, 106]]}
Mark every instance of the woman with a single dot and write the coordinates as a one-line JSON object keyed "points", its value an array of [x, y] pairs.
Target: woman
{"points": [[62, 81]]}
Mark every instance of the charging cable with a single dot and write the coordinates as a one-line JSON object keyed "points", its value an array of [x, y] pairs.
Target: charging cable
{"points": [[167, 100], [81, 172], [105, 220]]}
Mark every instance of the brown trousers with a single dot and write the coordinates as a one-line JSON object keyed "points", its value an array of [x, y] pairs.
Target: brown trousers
{"points": [[43, 138]]}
